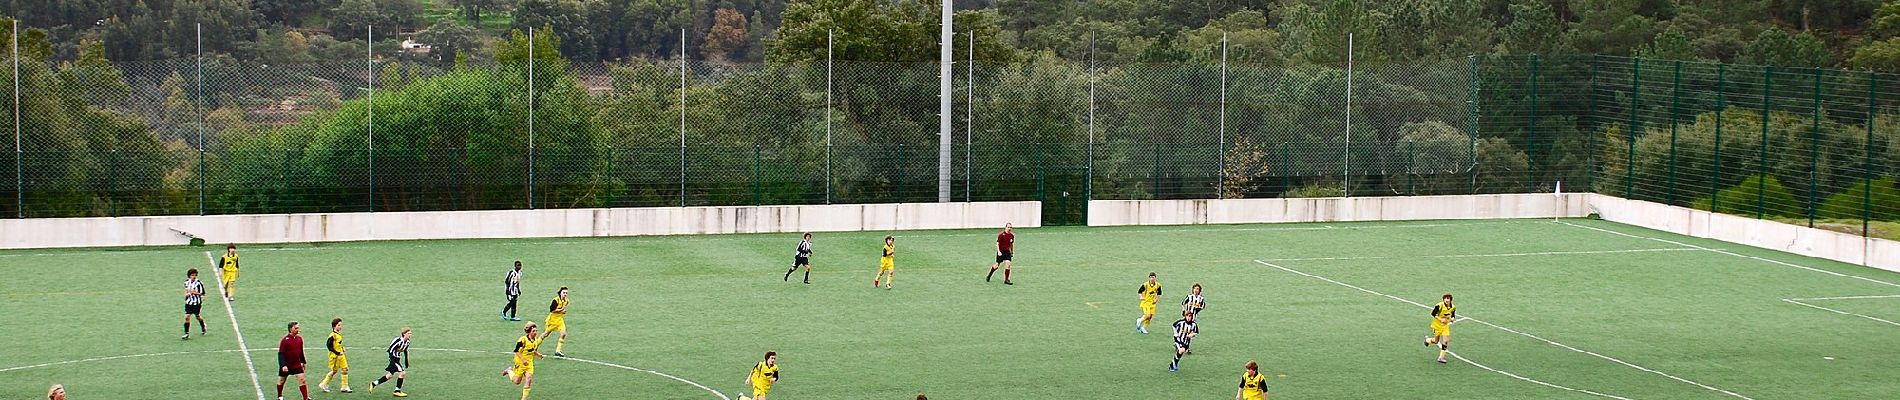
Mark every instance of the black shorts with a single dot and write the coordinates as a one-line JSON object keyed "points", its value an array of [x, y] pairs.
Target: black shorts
{"points": [[192, 309], [292, 371], [1181, 345], [394, 365], [1004, 256], [797, 261]]}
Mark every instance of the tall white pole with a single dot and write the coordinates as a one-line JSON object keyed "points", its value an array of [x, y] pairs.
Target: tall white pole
{"points": [[1220, 173], [530, 119], [1091, 131], [969, 116], [372, 117], [944, 58], [682, 117], [199, 36], [19, 155], [828, 38], [1346, 182]]}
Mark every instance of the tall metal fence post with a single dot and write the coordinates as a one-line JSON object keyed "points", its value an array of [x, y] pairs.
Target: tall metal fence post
{"points": [[1675, 122], [901, 162], [1721, 107], [1471, 124], [1591, 159], [530, 119], [682, 117], [1814, 149], [19, 154], [1761, 160], [1042, 172], [1156, 175], [1345, 185], [828, 179], [758, 188], [969, 117], [1635, 126], [1091, 133], [1411, 169], [198, 37], [1867, 160], [371, 58], [1530, 133], [1220, 143]]}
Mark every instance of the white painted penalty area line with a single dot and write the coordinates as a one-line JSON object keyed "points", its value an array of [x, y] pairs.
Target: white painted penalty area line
{"points": [[1798, 301], [1541, 253], [1884, 296], [1520, 333], [1720, 251], [249, 367]]}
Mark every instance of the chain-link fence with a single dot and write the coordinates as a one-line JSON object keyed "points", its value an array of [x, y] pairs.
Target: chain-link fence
{"points": [[216, 136]]}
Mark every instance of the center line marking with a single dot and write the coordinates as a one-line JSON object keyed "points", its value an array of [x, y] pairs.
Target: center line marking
{"points": [[1499, 327], [242, 348]]}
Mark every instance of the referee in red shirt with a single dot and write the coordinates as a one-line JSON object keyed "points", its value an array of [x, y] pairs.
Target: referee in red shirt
{"points": [[290, 362], [1005, 246]]}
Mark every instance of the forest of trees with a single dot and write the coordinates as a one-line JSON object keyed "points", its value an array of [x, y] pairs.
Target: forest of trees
{"points": [[1192, 99]]}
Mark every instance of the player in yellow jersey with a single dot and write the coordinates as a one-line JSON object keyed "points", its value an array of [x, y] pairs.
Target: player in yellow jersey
{"points": [[229, 264], [1149, 291], [1442, 316], [887, 265], [339, 365], [764, 375], [527, 348], [557, 320], [1253, 385]]}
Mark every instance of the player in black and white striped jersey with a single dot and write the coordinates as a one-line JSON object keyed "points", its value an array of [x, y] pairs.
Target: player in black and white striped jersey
{"points": [[194, 302], [1193, 304], [398, 364], [511, 286], [1184, 332], [802, 258]]}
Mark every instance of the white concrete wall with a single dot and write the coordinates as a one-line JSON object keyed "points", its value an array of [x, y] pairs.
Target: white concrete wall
{"points": [[1241, 211], [297, 228], [1822, 243]]}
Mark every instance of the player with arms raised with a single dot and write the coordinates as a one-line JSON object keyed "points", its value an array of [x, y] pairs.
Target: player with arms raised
{"points": [[1442, 316]]}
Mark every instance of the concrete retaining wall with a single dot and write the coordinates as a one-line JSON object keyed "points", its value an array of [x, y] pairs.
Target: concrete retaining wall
{"points": [[1243, 211], [1822, 243], [298, 228]]}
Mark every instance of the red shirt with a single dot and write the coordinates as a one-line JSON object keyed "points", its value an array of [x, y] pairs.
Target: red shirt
{"points": [[1006, 241], [290, 351]]}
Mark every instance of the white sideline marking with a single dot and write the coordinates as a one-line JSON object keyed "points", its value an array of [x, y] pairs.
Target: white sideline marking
{"points": [[1737, 255], [1544, 253], [1499, 327], [1798, 301], [1884, 296], [1527, 379], [230, 312], [248, 351]]}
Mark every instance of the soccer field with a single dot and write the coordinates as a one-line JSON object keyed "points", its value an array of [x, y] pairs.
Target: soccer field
{"points": [[1557, 309]]}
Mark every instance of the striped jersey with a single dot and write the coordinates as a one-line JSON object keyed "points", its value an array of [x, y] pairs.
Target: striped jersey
{"points": [[513, 282], [804, 248], [195, 286], [1193, 304], [1182, 328], [399, 349]]}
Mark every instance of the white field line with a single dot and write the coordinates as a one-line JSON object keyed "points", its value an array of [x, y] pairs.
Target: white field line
{"points": [[1500, 327], [1544, 253], [248, 351], [1527, 379], [1798, 301], [1884, 296], [1787, 264], [242, 348]]}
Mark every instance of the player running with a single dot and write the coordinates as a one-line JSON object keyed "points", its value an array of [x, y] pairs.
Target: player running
{"points": [[763, 376], [1184, 332], [800, 259], [557, 320], [511, 286], [527, 348], [229, 265], [1253, 385], [290, 361], [1005, 252], [1442, 315], [1149, 291], [887, 265], [339, 365], [398, 364], [194, 303]]}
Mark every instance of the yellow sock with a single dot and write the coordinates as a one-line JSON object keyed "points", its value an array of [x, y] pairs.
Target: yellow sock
{"points": [[326, 379], [558, 343], [346, 380], [524, 393]]}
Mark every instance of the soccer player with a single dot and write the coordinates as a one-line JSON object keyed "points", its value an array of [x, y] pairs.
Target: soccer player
{"points": [[1184, 332], [57, 392], [1442, 315], [290, 361], [800, 259], [557, 320], [1193, 304], [763, 376], [194, 302], [339, 365], [1149, 291], [1253, 385], [511, 286], [1005, 252], [527, 348], [229, 264], [887, 265], [398, 364]]}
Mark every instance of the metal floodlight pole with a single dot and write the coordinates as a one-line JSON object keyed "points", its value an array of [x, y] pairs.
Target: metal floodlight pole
{"points": [[828, 40], [969, 116], [1345, 186], [1220, 143], [1091, 131], [945, 57], [682, 117], [198, 36], [19, 155], [372, 117], [1867, 166], [531, 119]]}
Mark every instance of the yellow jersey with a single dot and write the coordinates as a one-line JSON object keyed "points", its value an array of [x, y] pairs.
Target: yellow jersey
{"points": [[558, 308], [890, 254], [1443, 310], [1253, 386], [525, 349], [763, 376], [229, 262], [1149, 291], [335, 344]]}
